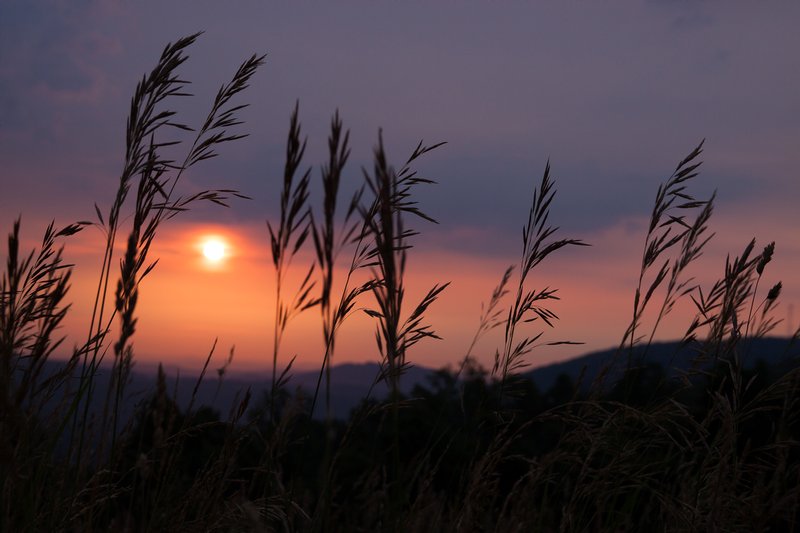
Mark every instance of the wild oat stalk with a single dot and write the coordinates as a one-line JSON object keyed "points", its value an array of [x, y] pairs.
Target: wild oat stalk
{"points": [[531, 305], [285, 241], [32, 290], [766, 322], [721, 308], [329, 242], [143, 121], [32, 308], [155, 202], [386, 227], [668, 229], [491, 316]]}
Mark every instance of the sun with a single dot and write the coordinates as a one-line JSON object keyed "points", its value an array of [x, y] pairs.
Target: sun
{"points": [[214, 250]]}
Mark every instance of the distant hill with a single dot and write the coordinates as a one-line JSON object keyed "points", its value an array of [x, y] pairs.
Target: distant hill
{"points": [[351, 382], [670, 355]]}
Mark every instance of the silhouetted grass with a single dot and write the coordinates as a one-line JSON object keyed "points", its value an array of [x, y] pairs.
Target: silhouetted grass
{"points": [[716, 450]]}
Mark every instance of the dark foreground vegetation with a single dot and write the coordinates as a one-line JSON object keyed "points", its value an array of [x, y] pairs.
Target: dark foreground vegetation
{"points": [[714, 449]]}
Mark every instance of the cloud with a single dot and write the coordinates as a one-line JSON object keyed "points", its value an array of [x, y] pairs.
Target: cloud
{"points": [[613, 97]]}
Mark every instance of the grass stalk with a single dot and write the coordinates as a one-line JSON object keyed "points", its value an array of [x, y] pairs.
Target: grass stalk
{"points": [[531, 305], [285, 241]]}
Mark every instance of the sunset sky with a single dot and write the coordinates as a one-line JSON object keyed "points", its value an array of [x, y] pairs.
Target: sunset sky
{"points": [[614, 95]]}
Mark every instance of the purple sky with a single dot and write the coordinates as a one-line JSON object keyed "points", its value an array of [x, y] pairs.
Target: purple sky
{"points": [[615, 95]]}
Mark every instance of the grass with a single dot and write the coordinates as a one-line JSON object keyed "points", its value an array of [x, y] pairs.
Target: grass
{"points": [[474, 450]]}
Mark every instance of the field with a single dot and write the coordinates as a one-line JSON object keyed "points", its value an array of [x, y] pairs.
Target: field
{"points": [[475, 449]]}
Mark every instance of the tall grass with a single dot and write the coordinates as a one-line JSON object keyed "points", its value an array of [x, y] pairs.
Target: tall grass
{"points": [[715, 450], [530, 305], [285, 240], [154, 177]]}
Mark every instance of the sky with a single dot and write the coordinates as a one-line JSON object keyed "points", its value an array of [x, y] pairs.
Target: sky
{"points": [[614, 95]]}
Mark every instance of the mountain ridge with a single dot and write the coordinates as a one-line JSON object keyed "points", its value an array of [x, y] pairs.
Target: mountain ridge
{"points": [[352, 382]]}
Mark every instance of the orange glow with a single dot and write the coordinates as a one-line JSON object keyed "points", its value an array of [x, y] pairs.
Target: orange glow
{"points": [[189, 301]]}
